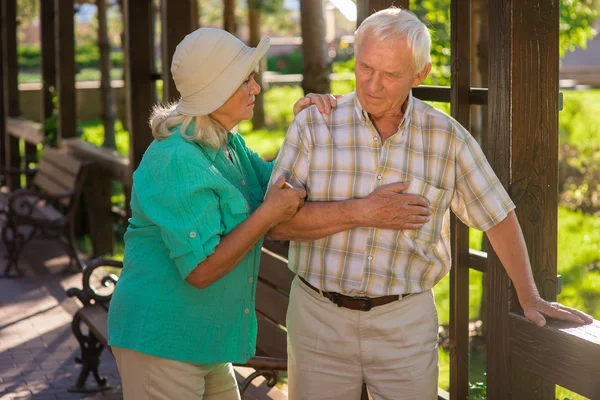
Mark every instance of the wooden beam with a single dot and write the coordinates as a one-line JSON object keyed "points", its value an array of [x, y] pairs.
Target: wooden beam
{"points": [[11, 85], [564, 353], [177, 21], [364, 8], [460, 107], [140, 84], [477, 96], [27, 131], [523, 150], [65, 64]]}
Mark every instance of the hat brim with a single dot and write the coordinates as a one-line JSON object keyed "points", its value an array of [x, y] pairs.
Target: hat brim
{"points": [[214, 95]]}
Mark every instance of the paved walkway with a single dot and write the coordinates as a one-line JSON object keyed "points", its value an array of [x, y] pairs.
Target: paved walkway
{"points": [[37, 348]]}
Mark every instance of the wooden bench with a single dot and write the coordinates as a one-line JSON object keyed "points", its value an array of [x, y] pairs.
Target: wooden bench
{"points": [[46, 208], [273, 288]]}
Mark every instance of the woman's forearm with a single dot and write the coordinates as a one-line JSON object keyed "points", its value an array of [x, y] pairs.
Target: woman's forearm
{"points": [[232, 249]]}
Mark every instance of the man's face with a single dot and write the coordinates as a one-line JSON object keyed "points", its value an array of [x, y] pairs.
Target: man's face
{"points": [[384, 75]]}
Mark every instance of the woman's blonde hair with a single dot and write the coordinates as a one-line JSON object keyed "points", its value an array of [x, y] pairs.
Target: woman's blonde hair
{"points": [[205, 130]]}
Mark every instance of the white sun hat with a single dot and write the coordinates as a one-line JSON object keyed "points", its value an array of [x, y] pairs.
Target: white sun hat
{"points": [[209, 65]]}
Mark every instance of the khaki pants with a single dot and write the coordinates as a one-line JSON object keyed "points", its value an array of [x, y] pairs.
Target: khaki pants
{"points": [[332, 350], [147, 377]]}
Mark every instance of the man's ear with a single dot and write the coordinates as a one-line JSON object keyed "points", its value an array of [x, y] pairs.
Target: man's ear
{"points": [[421, 75]]}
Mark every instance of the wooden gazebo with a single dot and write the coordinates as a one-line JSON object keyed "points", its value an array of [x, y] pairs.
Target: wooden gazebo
{"points": [[524, 361]]}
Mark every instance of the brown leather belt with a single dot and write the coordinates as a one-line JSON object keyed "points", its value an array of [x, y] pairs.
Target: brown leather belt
{"points": [[360, 303]]}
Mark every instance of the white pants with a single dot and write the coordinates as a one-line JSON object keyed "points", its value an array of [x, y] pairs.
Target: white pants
{"points": [[332, 350], [146, 377]]}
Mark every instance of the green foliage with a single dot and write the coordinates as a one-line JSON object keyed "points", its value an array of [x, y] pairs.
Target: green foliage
{"points": [[478, 390], [266, 6], [576, 18], [290, 63], [579, 157], [436, 14], [93, 132], [87, 55]]}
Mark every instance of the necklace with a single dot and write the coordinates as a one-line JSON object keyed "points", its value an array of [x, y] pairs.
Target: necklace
{"points": [[226, 150]]}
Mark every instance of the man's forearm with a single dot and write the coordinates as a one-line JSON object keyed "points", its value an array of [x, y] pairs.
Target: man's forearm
{"points": [[316, 220], [508, 242]]}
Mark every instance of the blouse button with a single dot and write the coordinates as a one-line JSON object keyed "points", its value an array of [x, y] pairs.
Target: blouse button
{"points": [[193, 235], [248, 207], [250, 280], [246, 311], [243, 182]]}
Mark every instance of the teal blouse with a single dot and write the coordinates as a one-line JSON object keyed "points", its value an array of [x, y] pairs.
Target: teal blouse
{"points": [[185, 197]]}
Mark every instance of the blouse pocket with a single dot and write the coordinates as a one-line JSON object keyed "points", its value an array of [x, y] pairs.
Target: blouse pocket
{"points": [[439, 199], [236, 210]]}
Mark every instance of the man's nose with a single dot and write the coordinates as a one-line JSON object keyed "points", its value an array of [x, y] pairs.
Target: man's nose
{"points": [[375, 82]]}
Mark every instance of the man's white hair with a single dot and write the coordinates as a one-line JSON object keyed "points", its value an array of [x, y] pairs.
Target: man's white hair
{"points": [[396, 23]]}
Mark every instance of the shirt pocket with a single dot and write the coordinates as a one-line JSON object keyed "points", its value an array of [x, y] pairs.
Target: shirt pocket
{"points": [[439, 199], [235, 211]]}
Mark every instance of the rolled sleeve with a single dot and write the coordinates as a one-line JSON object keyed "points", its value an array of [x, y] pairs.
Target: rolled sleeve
{"points": [[185, 208], [294, 157], [480, 200]]}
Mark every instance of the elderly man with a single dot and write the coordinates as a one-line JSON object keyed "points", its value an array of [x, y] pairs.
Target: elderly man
{"points": [[362, 306]]}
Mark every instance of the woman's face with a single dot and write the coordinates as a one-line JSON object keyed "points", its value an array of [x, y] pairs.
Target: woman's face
{"points": [[240, 105]]}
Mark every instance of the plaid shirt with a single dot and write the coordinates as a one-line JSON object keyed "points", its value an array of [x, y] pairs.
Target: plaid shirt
{"points": [[341, 156]]}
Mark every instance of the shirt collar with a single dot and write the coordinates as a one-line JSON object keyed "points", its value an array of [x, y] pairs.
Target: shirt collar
{"points": [[364, 116], [212, 153]]}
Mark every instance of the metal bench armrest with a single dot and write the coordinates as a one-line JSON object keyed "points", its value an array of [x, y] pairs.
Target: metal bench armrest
{"points": [[87, 295]]}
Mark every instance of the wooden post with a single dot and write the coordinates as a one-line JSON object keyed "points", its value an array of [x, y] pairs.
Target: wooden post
{"points": [[48, 58], [459, 274], [177, 21], [523, 149], [99, 207], [11, 86], [140, 83], [364, 8], [65, 64], [2, 95]]}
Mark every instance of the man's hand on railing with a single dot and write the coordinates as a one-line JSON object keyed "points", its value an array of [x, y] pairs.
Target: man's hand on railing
{"points": [[536, 309]]}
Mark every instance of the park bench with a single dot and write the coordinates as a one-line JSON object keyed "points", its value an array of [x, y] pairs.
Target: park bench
{"points": [[272, 293], [46, 208]]}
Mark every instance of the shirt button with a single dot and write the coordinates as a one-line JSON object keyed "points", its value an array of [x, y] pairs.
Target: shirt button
{"points": [[250, 280], [193, 235], [246, 311], [378, 177], [243, 182], [248, 207], [370, 258]]}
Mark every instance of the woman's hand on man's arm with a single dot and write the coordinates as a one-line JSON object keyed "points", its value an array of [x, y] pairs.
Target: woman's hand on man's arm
{"points": [[279, 206]]}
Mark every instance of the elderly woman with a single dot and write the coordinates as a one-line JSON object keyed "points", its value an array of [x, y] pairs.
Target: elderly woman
{"points": [[184, 306]]}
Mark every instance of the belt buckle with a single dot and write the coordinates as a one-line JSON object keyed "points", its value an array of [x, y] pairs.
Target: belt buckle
{"points": [[368, 303], [336, 299]]}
